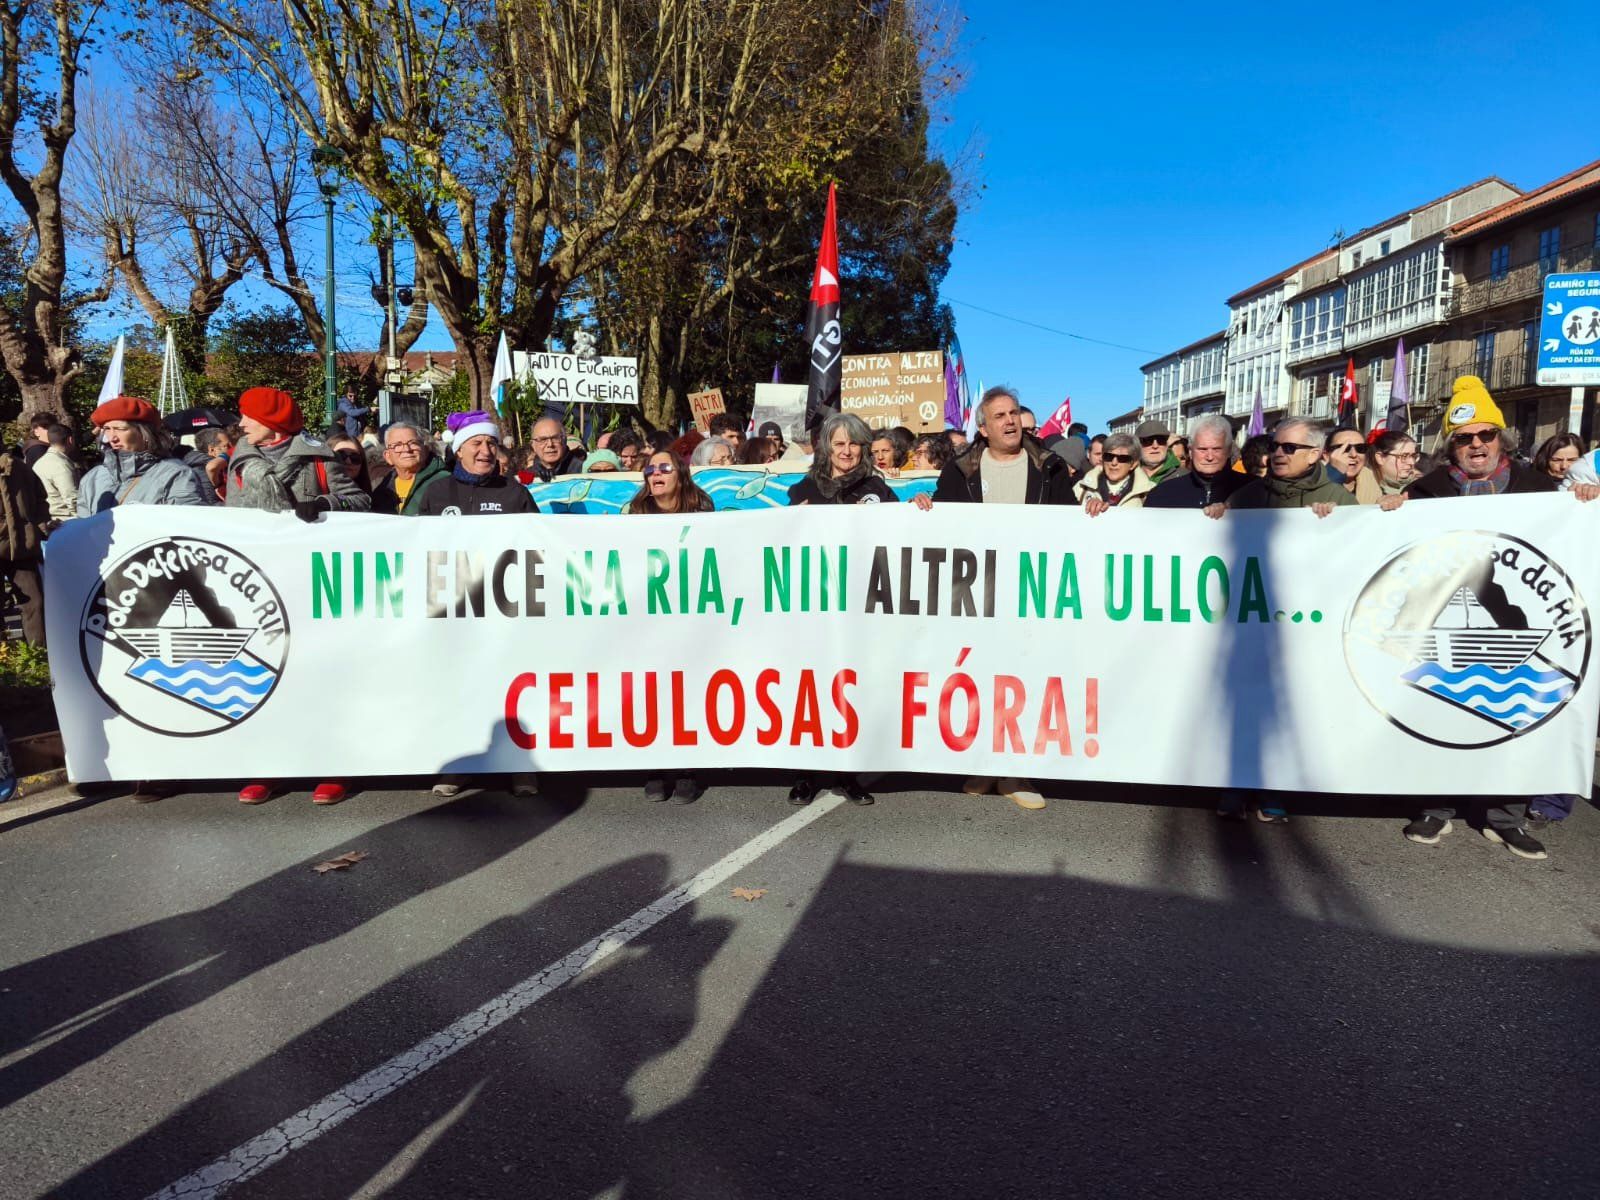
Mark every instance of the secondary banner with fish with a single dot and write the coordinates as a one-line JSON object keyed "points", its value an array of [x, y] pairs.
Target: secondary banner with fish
{"points": [[1440, 649]]}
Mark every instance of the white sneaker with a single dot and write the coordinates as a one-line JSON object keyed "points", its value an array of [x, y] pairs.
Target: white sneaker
{"points": [[1021, 793], [978, 785], [446, 788]]}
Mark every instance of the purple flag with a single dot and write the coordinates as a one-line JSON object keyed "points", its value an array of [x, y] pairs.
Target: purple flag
{"points": [[777, 373], [955, 386], [1258, 419], [1399, 415]]}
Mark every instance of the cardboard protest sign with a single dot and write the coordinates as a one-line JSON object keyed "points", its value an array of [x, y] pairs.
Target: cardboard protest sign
{"points": [[705, 405], [886, 390], [565, 379]]}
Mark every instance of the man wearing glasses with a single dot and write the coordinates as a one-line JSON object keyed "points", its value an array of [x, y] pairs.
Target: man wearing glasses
{"points": [[1295, 476], [1156, 460], [405, 449], [550, 456]]}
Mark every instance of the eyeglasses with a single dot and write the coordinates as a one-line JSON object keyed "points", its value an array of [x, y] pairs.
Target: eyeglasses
{"points": [[661, 469], [349, 456], [1482, 438], [1398, 456], [1290, 447], [553, 440], [404, 447], [1344, 447], [1152, 440], [1118, 458]]}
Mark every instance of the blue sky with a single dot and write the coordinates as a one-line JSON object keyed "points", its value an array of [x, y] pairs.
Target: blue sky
{"points": [[1142, 162]]}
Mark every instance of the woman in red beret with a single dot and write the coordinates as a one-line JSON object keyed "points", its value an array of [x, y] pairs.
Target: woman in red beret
{"points": [[138, 467], [279, 469]]}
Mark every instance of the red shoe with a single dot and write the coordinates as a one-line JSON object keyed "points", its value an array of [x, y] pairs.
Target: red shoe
{"points": [[255, 793], [328, 793]]}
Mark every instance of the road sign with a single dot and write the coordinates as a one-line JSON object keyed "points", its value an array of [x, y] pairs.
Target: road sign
{"points": [[1569, 331]]}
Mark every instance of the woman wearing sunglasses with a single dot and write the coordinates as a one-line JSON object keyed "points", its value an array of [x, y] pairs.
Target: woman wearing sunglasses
{"points": [[1114, 483], [667, 488], [352, 459]]}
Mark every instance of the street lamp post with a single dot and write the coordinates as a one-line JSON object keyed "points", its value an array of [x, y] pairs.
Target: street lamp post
{"points": [[326, 160]]}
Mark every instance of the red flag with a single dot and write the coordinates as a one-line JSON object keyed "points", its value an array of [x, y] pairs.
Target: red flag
{"points": [[824, 339], [1347, 395], [1058, 422]]}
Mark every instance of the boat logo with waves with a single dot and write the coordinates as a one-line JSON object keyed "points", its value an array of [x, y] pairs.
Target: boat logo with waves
{"points": [[1468, 639], [185, 637]]}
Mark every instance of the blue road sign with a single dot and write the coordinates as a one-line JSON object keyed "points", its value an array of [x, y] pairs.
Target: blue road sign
{"points": [[1569, 331]]}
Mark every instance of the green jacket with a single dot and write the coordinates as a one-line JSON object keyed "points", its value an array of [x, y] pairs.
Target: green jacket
{"points": [[386, 500], [1314, 487]]}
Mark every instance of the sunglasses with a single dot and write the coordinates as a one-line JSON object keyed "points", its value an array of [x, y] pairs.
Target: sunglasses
{"points": [[349, 456], [1344, 446], [1290, 447], [1118, 458], [1153, 440], [663, 469], [1482, 438]]}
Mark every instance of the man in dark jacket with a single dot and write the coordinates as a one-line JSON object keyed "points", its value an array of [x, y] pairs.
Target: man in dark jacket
{"points": [[476, 487], [24, 518], [414, 466], [1296, 477], [1003, 465], [1210, 480], [550, 454], [1478, 465]]}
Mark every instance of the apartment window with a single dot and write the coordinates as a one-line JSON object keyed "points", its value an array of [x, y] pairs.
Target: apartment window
{"points": [[1483, 354], [1383, 246], [1549, 249], [1500, 258], [1355, 259]]}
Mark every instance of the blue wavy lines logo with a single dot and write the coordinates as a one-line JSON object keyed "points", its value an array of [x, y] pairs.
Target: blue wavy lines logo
{"points": [[185, 637], [1469, 639]]}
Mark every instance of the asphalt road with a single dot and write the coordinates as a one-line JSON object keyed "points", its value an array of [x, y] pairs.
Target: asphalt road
{"points": [[936, 996]]}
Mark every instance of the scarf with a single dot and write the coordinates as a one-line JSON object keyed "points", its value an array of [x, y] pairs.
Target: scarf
{"points": [[830, 485], [1491, 486], [1103, 488], [1168, 466], [125, 464], [1286, 488], [462, 475]]}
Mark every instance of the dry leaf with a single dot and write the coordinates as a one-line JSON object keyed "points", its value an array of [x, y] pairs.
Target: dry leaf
{"points": [[340, 863], [748, 894]]}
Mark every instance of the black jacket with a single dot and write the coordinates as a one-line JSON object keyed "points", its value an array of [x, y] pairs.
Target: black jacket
{"points": [[1190, 490], [447, 496], [1050, 480], [869, 489], [1437, 484]]}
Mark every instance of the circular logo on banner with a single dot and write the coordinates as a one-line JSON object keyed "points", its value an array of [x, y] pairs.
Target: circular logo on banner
{"points": [[1468, 639], [185, 637]]}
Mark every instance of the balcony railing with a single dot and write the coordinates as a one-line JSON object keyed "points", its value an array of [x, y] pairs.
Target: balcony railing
{"points": [[1521, 281], [1501, 373]]}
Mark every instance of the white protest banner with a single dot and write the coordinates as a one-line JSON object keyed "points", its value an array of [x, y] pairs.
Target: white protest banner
{"points": [[1442, 648], [705, 405], [784, 403], [568, 379]]}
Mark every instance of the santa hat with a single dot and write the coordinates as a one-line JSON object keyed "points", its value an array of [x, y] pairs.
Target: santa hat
{"points": [[272, 408], [467, 425], [126, 408]]}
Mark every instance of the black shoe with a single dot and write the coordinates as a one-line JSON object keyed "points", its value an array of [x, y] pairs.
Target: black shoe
{"points": [[856, 794], [1427, 831], [802, 793], [1517, 841], [655, 790], [685, 791]]}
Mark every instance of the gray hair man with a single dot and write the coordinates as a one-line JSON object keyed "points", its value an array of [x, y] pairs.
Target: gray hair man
{"points": [[413, 466], [1295, 476], [1210, 481]]}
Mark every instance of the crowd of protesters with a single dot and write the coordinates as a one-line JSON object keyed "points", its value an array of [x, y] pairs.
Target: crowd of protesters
{"points": [[267, 461]]}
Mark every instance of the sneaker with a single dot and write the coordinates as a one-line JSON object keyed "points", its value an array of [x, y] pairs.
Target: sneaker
{"points": [[1231, 807], [856, 794], [685, 791], [148, 791], [447, 788], [1272, 813], [327, 792], [1517, 841], [255, 793], [1426, 831], [8, 787], [524, 783], [802, 793], [1021, 793], [978, 785], [655, 791], [1538, 822]]}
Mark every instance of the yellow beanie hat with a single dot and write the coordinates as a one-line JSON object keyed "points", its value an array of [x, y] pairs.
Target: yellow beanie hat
{"points": [[1471, 404]]}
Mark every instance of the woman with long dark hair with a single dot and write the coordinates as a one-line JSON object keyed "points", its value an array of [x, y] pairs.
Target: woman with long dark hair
{"points": [[668, 488]]}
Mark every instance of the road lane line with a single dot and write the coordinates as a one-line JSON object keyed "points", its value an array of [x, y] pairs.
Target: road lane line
{"points": [[260, 1152]]}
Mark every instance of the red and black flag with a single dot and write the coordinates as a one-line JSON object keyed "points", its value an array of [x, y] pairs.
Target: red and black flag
{"points": [[824, 340]]}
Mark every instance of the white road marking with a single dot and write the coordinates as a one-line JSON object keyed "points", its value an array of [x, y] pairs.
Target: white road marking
{"points": [[260, 1152]]}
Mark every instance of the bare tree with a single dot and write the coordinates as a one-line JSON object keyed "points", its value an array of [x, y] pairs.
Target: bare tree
{"points": [[41, 47]]}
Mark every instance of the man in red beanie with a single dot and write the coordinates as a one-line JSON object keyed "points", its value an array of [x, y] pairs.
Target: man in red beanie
{"points": [[279, 469], [137, 467]]}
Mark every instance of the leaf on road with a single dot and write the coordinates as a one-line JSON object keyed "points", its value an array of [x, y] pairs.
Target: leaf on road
{"points": [[340, 863], [748, 894]]}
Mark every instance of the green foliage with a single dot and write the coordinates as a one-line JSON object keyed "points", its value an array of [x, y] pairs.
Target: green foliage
{"points": [[23, 665], [453, 397], [268, 347]]}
